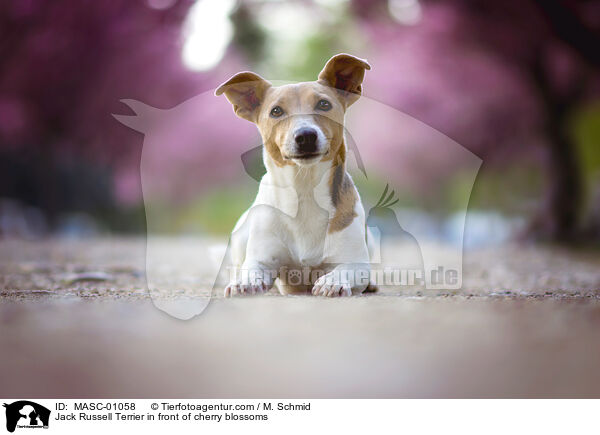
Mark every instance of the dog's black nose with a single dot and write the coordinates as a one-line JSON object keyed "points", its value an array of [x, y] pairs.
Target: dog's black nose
{"points": [[306, 139]]}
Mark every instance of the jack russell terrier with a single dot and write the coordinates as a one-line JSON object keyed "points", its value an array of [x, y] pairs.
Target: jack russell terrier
{"points": [[307, 215]]}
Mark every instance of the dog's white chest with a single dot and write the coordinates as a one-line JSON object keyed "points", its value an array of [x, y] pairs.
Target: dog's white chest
{"points": [[308, 231]]}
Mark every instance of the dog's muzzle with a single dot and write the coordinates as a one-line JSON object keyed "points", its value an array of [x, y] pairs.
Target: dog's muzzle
{"points": [[306, 141]]}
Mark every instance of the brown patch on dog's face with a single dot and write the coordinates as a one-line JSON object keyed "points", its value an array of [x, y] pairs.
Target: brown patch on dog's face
{"points": [[290, 109]]}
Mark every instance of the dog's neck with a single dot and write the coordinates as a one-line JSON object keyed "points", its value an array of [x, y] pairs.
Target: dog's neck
{"points": [[310, 183]]}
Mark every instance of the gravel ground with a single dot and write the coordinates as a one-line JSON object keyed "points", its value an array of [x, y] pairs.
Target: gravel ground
{"points": [[76, 321]]}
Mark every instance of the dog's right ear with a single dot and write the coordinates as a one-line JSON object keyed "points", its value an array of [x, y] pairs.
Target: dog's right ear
{"points": [[246, 92], [345, 73]]}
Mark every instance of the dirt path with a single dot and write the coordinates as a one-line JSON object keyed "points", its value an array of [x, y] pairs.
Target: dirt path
{"points": [[526, 324]]}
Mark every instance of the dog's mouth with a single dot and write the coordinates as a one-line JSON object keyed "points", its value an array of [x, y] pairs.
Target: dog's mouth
{"points": [[304, 156]]}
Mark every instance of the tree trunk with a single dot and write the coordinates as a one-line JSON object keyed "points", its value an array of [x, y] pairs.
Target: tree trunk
{"points": [[564, 197], [559, 218]]}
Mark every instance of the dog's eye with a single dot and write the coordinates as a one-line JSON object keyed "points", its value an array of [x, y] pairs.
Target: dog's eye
{"points": [[276, 112], [324, 105]]}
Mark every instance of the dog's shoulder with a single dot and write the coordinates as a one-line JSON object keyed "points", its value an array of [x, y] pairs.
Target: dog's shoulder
{"points": [[344, 198]]}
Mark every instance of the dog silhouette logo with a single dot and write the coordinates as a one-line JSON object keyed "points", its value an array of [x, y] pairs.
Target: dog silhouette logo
{"points": [[26, 414]]}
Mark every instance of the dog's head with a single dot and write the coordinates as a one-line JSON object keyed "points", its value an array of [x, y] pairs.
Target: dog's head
{"points": [[303, 123]]}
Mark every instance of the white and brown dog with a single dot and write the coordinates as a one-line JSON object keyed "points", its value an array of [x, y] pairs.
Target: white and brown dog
{"points": [[308, 213]]}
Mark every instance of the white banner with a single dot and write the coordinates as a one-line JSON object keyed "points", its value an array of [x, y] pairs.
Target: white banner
{"points": [[90, 416]]}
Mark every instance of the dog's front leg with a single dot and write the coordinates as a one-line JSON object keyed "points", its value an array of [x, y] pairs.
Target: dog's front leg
{"points": [[254, 277], [264, 256], [347, 252]]}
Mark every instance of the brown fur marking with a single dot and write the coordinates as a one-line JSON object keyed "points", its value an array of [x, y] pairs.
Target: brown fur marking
{"points": [[275, 154], [343, 194]]}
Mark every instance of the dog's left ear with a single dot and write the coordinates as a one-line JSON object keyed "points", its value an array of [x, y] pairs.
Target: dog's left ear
{"points": [[245, 91], [345, 73]]}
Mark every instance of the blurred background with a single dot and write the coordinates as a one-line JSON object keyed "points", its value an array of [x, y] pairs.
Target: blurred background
{"points": [[517, 83], [490, 104]]}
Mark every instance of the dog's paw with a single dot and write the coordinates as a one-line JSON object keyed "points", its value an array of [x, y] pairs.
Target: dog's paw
{"points": [[237, 289], [328, 286]]}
